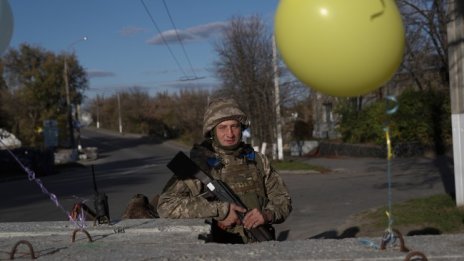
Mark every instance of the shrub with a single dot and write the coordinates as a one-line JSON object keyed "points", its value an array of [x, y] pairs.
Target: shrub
{"points": [[422, 117]]}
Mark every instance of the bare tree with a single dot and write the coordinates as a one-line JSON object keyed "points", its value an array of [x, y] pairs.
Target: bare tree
{"points": [[189, 107], [426, 57], [245, 66]]}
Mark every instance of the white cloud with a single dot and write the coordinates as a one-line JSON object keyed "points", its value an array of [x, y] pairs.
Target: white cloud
{"points": [[190, 34]]}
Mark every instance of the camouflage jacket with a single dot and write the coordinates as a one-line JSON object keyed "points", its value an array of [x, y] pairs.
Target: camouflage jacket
{"points": [[185, 198]]}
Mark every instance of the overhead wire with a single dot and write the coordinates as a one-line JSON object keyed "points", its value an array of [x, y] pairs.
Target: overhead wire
{"points": [[179, 39], [162, 38]]}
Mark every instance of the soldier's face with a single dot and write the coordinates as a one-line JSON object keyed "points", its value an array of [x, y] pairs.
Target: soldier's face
{"points": [[228, 132]]}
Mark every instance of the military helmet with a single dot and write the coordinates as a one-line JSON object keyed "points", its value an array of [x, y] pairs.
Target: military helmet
{"points": [[220, 110]]}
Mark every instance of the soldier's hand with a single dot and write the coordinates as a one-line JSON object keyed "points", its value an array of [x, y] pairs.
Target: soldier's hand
{"points": [[232, 217], [253, 219]]}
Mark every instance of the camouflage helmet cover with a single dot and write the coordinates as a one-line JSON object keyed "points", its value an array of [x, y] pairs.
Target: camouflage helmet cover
{"points": [[219, 110]]}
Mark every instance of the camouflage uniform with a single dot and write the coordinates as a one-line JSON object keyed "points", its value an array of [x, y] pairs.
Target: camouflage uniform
{"points": [[248, 173]]}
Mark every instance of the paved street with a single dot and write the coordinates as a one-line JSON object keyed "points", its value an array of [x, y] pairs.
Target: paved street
{"points": [[129, 165]]}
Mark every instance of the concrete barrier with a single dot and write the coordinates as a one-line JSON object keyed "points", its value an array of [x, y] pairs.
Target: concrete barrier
{"points": [[164, 239]]}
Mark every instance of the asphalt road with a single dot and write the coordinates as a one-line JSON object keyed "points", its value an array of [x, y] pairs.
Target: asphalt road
{"points": [[129, 165]]}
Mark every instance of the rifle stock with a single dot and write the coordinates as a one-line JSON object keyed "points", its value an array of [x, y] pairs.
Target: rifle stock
{"points": [[183, 167]]}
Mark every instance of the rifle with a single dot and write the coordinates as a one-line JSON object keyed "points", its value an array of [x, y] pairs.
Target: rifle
{"points": [[183, 167], [100, 203], [101, 213]]}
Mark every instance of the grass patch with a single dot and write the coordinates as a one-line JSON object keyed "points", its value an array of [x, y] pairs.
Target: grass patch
{"points": [[438, 212], [296, 165]]}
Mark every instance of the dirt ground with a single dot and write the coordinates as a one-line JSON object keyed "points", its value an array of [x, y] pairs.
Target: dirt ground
{"points": [[367, 228]]}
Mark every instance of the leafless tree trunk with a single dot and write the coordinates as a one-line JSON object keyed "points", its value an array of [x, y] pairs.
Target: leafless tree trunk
{"points": [[426, 57], [246, 70]]}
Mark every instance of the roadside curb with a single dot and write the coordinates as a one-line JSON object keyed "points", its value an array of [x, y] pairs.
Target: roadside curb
{"points": [[298, 172]]}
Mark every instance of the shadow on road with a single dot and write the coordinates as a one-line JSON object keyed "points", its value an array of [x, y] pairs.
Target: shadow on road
{"points": [[444, 164], [333, 234]]}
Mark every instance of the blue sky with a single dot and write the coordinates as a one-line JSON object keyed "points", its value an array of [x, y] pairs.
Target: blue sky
{"points": [[123, 47]]}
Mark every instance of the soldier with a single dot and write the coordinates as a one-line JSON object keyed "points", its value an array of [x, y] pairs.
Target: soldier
{"points": [[247, 173]]}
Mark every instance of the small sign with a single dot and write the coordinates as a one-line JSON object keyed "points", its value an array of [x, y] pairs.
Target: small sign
{"points": [[50, 133]]}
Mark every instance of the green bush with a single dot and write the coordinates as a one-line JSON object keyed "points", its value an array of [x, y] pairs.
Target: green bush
{"points": [[364, 126], [422, 117]]}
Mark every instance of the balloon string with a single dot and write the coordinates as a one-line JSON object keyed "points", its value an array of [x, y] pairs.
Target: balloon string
{"points": [[389, 111], [389, 147], [79, 223], [389, 193]]}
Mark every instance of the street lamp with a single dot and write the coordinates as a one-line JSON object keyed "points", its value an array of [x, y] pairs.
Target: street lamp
{"points": [[68, 98]]}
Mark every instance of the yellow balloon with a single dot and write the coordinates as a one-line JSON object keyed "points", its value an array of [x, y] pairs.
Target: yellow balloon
{"points": [[340, 47]]}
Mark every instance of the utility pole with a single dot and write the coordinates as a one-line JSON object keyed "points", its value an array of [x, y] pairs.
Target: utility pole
{"points": [[456, 72], [72, 141], [119, 114], [280, 152], [98, 112], [68, 106]]}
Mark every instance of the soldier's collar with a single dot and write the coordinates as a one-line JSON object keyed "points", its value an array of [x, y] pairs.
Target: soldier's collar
{"points": [[245, 152]]}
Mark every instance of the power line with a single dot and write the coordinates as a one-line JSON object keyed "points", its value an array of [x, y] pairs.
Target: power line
{"points": [[162, 37], [179, 39]]}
